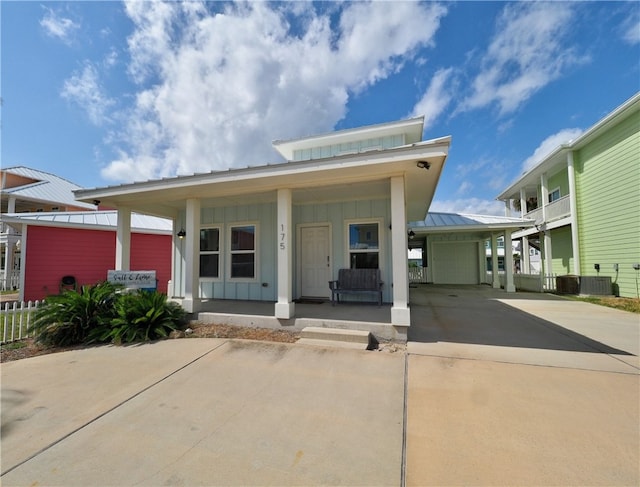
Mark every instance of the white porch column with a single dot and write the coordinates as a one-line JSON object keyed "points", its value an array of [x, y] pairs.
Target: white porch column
{"points": [[523, 202], [495, 276], [525, 258], [123, 240], [573, 208], [508, 262], [8, 261], [8, 249], [545, 196], [400, 314], [548, 253], [191, 301], [23, 260], [285, 307], [507, 207]]}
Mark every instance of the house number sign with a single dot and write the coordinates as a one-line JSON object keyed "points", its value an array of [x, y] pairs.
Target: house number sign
{"points": [[283, 236]]}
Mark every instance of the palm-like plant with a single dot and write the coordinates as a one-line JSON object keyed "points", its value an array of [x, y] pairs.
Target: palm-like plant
{"points": [[68, 318], [141, 316]]}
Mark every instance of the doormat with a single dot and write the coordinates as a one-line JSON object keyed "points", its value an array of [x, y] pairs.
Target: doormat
{"points": [[308, 301]]}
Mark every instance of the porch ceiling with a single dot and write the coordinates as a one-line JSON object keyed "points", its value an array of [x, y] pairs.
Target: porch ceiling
{"points": [[359, 176]]}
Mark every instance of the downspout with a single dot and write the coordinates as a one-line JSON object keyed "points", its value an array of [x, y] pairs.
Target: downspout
{"points": [[573, 207]]}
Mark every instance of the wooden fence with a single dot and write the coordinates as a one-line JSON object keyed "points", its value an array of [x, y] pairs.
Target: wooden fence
{"points": [[15, 319]]}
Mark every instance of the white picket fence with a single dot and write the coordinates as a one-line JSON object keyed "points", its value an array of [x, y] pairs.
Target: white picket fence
{"points": [[538, 283], [15, 319], [417, 275]]}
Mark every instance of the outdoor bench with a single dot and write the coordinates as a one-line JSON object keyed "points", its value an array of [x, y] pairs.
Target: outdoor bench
{"points": [[356, 281]]}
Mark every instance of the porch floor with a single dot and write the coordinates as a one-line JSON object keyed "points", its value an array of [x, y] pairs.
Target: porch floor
{"points": [[356, 316]]}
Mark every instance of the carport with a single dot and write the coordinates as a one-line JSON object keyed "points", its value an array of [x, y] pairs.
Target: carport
{"points": [[453, 247]]}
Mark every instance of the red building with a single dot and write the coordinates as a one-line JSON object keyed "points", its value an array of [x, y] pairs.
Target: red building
{"points": [[83, 245]]}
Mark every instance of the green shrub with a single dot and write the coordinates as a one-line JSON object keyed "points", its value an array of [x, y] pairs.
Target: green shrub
{"points": [[68, 318], [140, 316]]}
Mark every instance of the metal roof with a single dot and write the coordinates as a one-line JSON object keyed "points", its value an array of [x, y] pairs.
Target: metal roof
{"points": [[96, 220], [438, 222], [337, 175], [47, 188]]}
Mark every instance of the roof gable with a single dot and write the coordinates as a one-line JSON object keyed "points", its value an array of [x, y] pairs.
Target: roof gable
{"points": [[33, 185]]}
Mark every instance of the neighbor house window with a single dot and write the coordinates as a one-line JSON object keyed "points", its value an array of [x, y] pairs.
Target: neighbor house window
{"points": [[243, 252], [554, 195], [210, 252], [364, 246]]}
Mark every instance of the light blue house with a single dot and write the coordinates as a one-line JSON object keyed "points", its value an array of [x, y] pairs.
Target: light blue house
{"points": [[278, 233]]}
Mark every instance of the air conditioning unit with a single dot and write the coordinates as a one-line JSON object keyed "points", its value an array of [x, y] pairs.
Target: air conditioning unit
{"points": [[596, 285], [568, 284]]}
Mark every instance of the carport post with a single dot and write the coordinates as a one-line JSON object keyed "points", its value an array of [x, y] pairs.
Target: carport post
{"points": [[508, 262], [495, 277]]}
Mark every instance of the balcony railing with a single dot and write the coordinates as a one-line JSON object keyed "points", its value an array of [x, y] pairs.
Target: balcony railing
{"points": [[560, 208]]}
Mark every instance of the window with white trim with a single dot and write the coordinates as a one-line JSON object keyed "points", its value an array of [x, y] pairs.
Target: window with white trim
{"points": [[242, 252], [364, 245], [210, 252], [554, 195]]}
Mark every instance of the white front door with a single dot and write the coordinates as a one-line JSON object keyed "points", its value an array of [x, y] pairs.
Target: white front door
{"points": [[315, 261]]}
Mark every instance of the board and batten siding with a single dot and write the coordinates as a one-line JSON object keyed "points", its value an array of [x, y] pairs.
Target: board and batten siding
{"points": [[54, 252], [264, 288], [608, 200], [321, 152], [337, 215], [265, 217]]}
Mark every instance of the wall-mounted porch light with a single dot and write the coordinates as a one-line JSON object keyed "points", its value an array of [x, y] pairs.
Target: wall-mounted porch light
{"points": [[181, 234], [412, 235]]}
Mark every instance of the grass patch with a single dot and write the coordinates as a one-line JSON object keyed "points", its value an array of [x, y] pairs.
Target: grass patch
{"points": [[625, 304], [14, 345]]}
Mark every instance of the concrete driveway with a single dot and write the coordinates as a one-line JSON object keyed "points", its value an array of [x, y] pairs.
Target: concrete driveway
{"points": [[494, 389], [204, 412], [521, 389]]}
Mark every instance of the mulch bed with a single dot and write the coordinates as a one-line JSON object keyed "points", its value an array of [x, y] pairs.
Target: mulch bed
{"points": [[28, 348]]}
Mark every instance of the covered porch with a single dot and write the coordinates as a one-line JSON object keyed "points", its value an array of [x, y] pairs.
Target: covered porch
{"points": [[320, 313]]}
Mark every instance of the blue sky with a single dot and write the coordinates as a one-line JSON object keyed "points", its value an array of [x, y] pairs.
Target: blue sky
{"points": [[109, 92]]}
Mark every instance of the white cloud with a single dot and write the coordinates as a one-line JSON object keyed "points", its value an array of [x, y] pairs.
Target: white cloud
{"points": [[473, 206], [216, 89], [57, 26], [529, 50], [464, 187], [631, 27], [548, 145], [436, 98], [84, 89]]}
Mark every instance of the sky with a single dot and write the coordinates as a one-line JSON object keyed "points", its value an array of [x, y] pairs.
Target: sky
{"points": [[102, 93]]}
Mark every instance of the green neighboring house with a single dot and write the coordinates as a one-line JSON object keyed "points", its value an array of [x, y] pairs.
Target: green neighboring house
{"points": [[585, 199]]}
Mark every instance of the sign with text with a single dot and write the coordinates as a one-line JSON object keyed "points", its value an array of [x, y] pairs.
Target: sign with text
{"points": [[133, 279]]}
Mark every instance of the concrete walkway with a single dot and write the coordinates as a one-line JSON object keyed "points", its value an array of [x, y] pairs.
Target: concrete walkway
{"points": [[500, 389]]}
